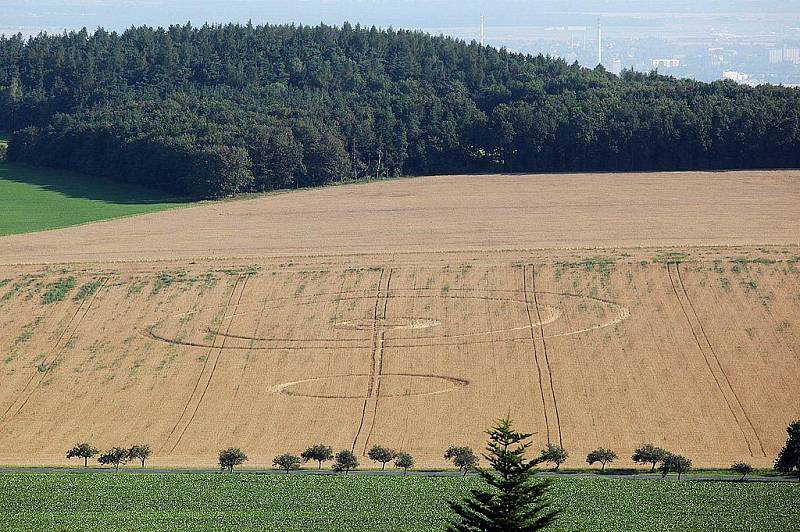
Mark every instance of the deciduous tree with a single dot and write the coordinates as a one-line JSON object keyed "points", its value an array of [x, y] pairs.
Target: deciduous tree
{"points": [[230, 458], [788, 459], [319, 453], [554, 454], [463, 457], [649, 454], [287, 462], [139, 452], [674, 463], [602, 455], [114, 457], [82, 450], [381, 454], [742, 469], [345, 461], [404, 461]]}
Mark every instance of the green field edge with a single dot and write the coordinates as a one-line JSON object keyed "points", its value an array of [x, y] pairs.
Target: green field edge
{"points": [[762, 474], [46, 191]]}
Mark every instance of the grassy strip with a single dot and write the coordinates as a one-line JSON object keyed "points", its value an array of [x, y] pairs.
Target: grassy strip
{"points": [[87, 290], [58, 291], [107, 501], [37, 199]]}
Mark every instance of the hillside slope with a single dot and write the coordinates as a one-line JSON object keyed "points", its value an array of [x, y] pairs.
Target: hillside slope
{"points": [[417, 352], [450, 213]]}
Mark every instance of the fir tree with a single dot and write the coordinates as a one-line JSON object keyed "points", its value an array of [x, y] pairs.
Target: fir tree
{"points": [[514, 500]]}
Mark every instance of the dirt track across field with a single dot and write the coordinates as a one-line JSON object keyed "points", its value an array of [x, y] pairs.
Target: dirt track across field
{"points": [[450, 213], [692, 348]]}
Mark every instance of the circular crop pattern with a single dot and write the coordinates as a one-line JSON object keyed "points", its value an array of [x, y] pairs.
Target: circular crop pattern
{"points": [[454, 317], [392, 385], [587, 314]]}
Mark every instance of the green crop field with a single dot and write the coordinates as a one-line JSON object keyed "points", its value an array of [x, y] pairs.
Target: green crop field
{"points": [[36, 199], [109, 501]]}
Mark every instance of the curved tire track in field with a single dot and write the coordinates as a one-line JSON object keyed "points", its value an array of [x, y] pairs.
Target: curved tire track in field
{"points": [[546, 356], [715, 368], [187, 405], [357, 295], [36, 379]]}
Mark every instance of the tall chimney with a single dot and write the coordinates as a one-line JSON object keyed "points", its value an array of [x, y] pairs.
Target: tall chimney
{"points": [[481, 30], [599, 43]]}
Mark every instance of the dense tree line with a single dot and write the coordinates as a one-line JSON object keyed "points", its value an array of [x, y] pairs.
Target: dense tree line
{"points": [[215, 110]]}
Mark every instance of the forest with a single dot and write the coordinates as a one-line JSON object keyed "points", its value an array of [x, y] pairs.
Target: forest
{"points": [[213, 111]]}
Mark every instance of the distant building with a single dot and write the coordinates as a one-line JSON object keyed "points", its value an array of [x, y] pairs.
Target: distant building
{"points": [[738, 77], [716, 55], [616, 67], [784, 55], [665, 63], [791, 55]]}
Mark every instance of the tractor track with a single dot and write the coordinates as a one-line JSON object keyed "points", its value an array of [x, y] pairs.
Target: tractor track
{"points": [[380, 364], [211, 375], [186, 406], [373, 361], [535, 349], [720, 377], [718, 363], [37, 378], [546, 355], [246, 364]]}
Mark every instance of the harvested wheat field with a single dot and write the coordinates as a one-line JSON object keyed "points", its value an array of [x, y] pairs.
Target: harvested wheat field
{"points": [[450, 213], [693, 348], [417, 353]]}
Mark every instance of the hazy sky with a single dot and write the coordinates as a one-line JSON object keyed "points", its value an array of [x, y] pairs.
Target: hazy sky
{"points": [[53, 15]]}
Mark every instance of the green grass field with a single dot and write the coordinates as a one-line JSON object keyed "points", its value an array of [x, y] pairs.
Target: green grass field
{"points": [[36, 199], [109, 501]]}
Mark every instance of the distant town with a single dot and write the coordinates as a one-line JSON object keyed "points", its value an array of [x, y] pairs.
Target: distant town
{"points": [[748, 50]]}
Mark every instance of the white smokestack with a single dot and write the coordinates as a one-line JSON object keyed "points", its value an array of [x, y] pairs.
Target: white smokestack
{"points": [[481, 30], [599, 43]]}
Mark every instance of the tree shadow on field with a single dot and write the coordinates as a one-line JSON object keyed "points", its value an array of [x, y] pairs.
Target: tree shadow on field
{"points": [[75, 185]]}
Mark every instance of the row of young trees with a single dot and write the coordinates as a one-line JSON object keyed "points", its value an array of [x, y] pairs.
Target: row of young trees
{"points": [[511, 498], [464, 458], [646, 454], [343, 461], [216, 110], [116, 456]]}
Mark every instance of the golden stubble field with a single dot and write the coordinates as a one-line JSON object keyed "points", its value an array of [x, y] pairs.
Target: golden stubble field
{"points": [[636, 307], [449, 213], [696, 350]]}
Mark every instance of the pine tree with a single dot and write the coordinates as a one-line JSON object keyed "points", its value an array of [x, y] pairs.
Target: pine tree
{"points": [[514, 500]]}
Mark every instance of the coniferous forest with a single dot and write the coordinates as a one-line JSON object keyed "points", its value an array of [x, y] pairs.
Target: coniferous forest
{"points": [[216, 110]]}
